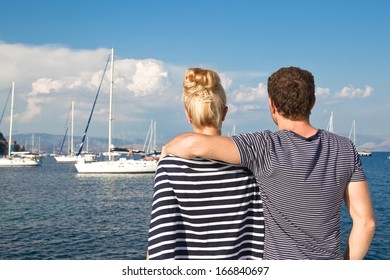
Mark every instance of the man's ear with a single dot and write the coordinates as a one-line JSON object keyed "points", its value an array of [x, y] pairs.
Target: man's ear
{"points": [[271, 106]]}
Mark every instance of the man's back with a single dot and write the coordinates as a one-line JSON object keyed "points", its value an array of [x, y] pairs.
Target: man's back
{"points": [[302, 184]]}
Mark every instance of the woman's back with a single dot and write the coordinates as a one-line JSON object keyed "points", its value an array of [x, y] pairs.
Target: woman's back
{"points": [[205, 209]]}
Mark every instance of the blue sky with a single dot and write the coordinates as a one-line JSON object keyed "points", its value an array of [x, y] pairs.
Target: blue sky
{"points": [[55, 51]]}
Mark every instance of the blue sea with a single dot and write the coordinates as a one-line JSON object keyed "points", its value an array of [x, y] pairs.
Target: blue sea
{"points": [[52, 212]]}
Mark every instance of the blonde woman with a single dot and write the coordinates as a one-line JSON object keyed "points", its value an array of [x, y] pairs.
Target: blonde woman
{"points": [[205, 209]]}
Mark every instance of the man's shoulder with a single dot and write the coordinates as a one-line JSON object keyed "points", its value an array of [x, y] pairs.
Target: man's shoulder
{"points": [[334, 136]]}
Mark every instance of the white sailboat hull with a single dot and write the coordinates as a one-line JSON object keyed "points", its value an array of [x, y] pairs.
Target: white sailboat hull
{"points": [[7, 162], [118, 166], [66, 159]]}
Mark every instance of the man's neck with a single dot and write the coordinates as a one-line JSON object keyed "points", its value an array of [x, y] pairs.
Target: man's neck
{"points": [[301, 127]]}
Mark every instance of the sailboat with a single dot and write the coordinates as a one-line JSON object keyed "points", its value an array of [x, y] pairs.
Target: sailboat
{"points": [[15, 159], [114, 164], [233, 132], [352, 134], [71, 157], [330, 124], [150, 147]]}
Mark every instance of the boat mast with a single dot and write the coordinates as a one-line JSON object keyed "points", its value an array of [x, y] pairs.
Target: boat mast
{"points": [[147, 141], [32, 143], [110, 113], [10, 122], [155, 136], [71, 133], [330, 124], [352, 132]]}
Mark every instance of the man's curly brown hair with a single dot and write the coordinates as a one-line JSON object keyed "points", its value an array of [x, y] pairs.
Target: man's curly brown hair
{"points": [[292, 91]]}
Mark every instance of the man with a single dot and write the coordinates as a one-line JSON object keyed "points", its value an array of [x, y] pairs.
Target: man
{"points": [[304, 174]]}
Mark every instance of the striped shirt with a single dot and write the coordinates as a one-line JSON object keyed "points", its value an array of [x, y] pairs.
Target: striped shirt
{"points": [[204, 209], [302, 183]]}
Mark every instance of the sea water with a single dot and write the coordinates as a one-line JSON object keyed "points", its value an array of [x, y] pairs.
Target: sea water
{"points": [[52, 212], [377, 169]]}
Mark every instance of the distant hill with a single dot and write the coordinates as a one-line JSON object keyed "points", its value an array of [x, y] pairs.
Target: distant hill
{"points": [[377, 143], [48, 143]]}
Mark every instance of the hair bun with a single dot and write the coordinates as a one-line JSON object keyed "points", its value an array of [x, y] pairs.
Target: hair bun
{"points": [[204, 97], [197, 78]]}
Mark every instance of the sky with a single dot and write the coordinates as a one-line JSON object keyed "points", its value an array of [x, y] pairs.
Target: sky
{"points": [[55, 52]]}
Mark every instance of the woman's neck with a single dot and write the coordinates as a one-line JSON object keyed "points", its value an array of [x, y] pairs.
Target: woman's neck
{"points": [[207, 130]]}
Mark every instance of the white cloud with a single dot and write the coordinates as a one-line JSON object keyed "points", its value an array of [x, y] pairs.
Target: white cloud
{"points": [[250, 94], [352, 92], [142, 77], [225, 81], [322, 92], [250, 107], [45, 86], [24, 64]]}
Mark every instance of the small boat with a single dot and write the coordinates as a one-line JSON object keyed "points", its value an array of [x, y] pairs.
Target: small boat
{"points": [[65, 158], [25, 159], [352, 133], [364, 153]]}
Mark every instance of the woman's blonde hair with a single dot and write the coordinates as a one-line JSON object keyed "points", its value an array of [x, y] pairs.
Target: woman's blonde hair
{"points": [[204, 98]]}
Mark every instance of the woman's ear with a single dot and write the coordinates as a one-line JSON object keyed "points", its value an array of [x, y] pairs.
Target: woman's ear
{"points": [[225, 112], [188, 117]]}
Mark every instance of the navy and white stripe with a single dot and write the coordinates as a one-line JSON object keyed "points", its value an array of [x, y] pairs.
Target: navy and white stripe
{"points": [[204, 209], [302, 183]]}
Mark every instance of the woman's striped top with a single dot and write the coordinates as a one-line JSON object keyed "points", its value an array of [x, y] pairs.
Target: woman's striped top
{"points": [[302, 183], [204, 209]]}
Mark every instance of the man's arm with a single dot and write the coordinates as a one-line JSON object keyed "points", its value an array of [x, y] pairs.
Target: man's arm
{"points": [[358, 202], [192, 145]]}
